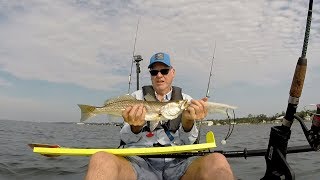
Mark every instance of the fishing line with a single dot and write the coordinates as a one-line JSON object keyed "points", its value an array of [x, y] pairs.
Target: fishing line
{"points": [[134, 49], [231, 126]]}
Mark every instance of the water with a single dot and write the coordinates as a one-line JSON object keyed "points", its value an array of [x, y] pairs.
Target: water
{"points": [[17, 161]]}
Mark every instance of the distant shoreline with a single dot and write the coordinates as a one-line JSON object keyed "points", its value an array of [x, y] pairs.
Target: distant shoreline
{"points": [[210, 122], [248, 122]]}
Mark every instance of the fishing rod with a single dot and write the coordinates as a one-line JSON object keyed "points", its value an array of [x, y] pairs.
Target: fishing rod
{"points": [[135, 58], [208, 87], [210, 74], [207, 95], [275, 156]]}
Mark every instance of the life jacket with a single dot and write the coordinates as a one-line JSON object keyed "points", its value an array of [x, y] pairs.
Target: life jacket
{"points": [[171, 125], [149, 95]]}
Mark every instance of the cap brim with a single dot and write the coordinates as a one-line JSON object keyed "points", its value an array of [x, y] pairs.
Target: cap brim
{"points": [[158, 62]]}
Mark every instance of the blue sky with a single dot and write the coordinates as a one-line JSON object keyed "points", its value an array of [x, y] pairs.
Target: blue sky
{"points": [[57, 54]]}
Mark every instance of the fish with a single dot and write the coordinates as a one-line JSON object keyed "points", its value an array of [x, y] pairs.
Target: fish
{"points": [[155, 111]]}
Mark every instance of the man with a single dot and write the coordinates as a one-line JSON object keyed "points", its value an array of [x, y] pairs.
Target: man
{"points": [[136, 132]]}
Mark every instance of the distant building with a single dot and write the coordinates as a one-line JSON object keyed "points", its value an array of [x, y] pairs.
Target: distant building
{"points": [[280, 118]]}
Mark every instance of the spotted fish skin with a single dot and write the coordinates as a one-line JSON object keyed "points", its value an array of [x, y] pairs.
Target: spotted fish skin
{"points": [[156, 111]]}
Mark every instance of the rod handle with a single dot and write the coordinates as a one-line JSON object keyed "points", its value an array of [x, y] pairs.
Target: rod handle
{"points": [[298, 78]]}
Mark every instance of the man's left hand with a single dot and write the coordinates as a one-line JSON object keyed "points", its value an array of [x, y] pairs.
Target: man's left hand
{"points": [[197, 110]]}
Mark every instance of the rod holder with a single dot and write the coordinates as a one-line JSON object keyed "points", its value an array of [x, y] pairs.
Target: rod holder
{"points": [[137, 59]]}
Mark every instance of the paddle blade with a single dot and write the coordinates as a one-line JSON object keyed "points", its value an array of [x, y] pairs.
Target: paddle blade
{"points": [[210, 137], [33, 145]]}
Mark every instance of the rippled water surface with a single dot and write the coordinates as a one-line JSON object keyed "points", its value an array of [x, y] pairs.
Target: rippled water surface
{"points": [[17, 161]]}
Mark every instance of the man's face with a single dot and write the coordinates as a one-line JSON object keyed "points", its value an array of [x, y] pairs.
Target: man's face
{"points": [[161, 82]]}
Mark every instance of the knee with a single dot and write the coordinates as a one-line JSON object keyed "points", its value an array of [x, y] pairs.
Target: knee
{"points": [[104, 158], [216, 158], [217, 164]]}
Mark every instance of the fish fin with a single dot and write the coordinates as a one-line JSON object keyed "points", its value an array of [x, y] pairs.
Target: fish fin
{"points": [[149, 97], [148, 108], [154, 117], [86, 111], [153, 125], [125, 97], [219, 108]]}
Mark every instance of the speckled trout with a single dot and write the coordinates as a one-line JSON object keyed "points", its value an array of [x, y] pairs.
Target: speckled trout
{"points": [[156, 111]]}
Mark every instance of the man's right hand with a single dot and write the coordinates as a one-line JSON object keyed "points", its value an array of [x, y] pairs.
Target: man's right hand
{"points": [[135, 117]]}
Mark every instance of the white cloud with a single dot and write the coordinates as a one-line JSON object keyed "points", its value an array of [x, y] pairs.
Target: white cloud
{"points": [[90, 43], [70, 43], [63, 45], [28, 109]]}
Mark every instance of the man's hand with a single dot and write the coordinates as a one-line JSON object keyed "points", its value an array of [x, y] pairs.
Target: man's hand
{"points": [[197, 110], [135, 117]]}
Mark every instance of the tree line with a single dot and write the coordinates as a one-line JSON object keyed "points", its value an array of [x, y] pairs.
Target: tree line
{"points": [[260, 118]]}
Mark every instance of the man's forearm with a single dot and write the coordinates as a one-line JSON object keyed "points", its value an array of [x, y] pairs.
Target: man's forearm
{"points": [[187, 125], [136, 129]]}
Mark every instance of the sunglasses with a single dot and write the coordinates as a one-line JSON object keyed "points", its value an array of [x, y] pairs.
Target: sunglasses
{"points": [[154, 72]]}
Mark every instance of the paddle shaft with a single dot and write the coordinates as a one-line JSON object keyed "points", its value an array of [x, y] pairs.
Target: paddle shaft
{"points": [[231, 154]]}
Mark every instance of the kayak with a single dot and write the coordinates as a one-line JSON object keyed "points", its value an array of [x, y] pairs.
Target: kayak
{"points": [[53, 150]]}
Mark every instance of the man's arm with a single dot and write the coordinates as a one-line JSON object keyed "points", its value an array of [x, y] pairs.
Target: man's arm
{"points": [[134, 122], [197, 110], [134, 116]]}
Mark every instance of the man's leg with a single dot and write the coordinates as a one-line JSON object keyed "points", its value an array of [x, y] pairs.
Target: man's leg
{"points": [[214, 166], [108, 166]]}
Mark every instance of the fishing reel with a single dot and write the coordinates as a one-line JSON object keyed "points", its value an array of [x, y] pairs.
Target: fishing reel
{"points": [[277, 166], [313, 135], [137, 59]]}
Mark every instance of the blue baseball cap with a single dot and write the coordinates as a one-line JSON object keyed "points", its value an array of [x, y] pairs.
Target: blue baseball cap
{"points": [[160, 57]]}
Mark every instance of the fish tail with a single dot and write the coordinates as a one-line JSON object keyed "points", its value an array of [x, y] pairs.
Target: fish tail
{"points": [[219, 108], [87, 111]]}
